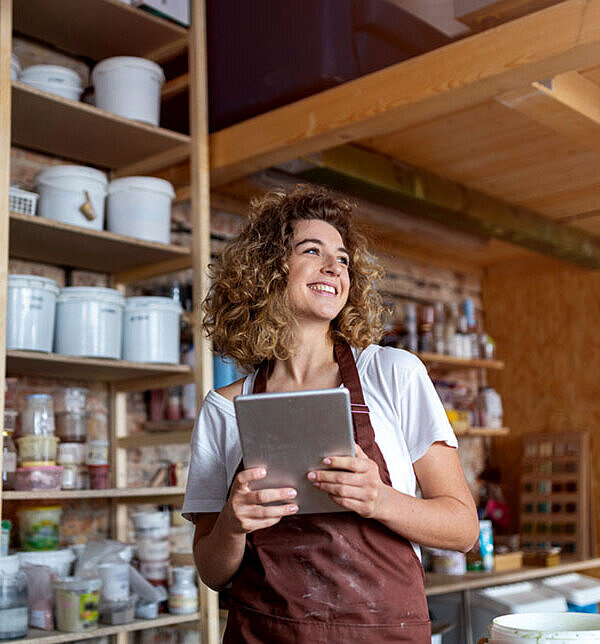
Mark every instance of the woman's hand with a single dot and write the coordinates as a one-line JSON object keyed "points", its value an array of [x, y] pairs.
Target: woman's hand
{"points": [[245, 510], [359, 487]]}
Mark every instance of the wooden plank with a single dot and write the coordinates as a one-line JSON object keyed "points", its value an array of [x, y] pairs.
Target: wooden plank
{"points": [[51, 242], [386, 181], [483, 14], [147, 271], [151, 164], [143, 439], [454, 362], [484, 431], [46, 123], [175, 86], [124, 494], [156, 381], [5, 106], [132, 32], [442, 81]]}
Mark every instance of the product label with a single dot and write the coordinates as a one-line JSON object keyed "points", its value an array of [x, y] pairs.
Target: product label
{"points": [[88, 609], [9, 462], [183, 604], [41, 619]]}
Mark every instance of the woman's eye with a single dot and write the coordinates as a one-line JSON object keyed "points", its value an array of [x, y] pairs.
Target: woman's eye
{"points": [[312, 250], [344, 260]]}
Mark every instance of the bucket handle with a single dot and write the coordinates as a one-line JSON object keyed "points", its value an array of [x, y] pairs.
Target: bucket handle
{"points": [[86, 208]]}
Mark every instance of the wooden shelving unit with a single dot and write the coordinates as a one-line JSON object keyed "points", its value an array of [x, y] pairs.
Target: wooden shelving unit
{"points": [[483, 431], [452, 362], [113, 493]]}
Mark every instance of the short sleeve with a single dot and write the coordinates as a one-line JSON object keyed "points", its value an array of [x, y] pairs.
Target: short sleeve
{"points": [[422, 416]]}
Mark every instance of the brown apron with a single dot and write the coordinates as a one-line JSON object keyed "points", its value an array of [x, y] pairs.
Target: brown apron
{"points": [[330, 578]]}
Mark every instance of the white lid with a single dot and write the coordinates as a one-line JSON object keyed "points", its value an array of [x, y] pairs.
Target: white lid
{"points": [[78, 585], [578, 589], [33, 281], [110, 64], [519, 598], [154, 184], [73, 171], [41, 72], [9, 565], [71, 293], [152, 302]]}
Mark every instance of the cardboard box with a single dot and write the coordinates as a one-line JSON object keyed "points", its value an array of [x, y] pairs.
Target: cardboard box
{"points": [[508, 561]]}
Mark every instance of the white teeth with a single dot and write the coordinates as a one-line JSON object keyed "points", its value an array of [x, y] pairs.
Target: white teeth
{"points": [[322, 287]]}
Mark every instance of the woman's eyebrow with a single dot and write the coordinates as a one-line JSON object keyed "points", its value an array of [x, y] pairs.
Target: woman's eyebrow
{"points": [[309, 240]]}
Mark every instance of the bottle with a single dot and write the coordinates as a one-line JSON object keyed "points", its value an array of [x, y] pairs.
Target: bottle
{"points": [[410, 324], [486, 544], [426, 319], [439, 325], [183, 593], [9, 461], [450, 330]]}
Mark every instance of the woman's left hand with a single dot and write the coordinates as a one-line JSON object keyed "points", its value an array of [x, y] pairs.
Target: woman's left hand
{"points": [[359, 487]]}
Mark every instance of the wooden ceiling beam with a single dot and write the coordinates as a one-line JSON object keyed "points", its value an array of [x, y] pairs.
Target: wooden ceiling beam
{"points": [[383, 180], [560, 38]]}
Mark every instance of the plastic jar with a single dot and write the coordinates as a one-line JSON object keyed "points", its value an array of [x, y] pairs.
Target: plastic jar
{"points": [[9, 461], [37, 449], [38, 527], [39, 477], [115, 581], [152, 549], [99, 476], [10, 419], [97, 452], [13, 599], [70, 456], [183, 593], [55, 79], [77, 604], [71, 426], [156, 572], [37, 417], [72, 399], [152, 525]]}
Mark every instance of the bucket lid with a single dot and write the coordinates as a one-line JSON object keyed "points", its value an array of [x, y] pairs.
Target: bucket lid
{"points": [[78, 584], [72, 293], [549, 626], [154, 184], [70, 171], [39, 72], [9, 565], [33, 281], [116, 62], [152, 302]]}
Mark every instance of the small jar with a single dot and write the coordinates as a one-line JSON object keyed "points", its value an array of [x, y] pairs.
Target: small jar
{"points": [[73, 399], [38, 415], [13, 599], [183, 593], [9, 461], [70, 456]]}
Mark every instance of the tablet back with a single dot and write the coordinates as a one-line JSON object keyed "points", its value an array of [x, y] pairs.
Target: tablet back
{"points": [[290, 433]]}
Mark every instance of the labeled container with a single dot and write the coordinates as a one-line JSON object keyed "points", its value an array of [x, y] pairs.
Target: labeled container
{"points": [[156, 572], [140, 207], [71, 426], [10, 419], [39, 449], [121, 612], [71, 453], [13, 599], [152, 549], [545, 628], [97, 452], [99, 476], [55, 79], [581, 592], [38, 527], [130, 87], [71, 399], [30, 312], [151, 525], [89, 322], [115, 581], [9, 461], [59, 560], [151, 329], [183, 593], [486, 544], [37, 417], [77, 604], [72, 194], [39, 477]]}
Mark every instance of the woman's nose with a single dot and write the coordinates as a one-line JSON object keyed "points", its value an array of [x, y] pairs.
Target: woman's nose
{"points": [[332, 266]]}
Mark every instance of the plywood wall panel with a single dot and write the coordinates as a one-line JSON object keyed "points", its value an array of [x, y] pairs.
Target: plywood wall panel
{"points": [[545, 318]]}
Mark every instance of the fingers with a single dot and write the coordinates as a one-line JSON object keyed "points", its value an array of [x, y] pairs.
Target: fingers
{"points": [[252, 474], [350, 463]]}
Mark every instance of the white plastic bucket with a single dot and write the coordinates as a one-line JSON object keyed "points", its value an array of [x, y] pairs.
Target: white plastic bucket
{"points": [[545, 628], [30, 312], [115, 581], [89, 322], [55, 79], [63, 197], [140, 207], [153, 549], [151, 329], [153, 525], [130, 87], [15, 67], [59, 560]]}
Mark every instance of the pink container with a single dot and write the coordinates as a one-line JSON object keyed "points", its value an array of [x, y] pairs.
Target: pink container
{"points": [[98, 476], [47, 477]]}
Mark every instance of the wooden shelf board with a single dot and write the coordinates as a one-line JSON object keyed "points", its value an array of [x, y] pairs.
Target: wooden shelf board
{"points": [[111, 493], [452, 362], [132, 32], [484, 431], [73, 130], [53, 365], [147, 439], [51, 242], [55, 637], [185, 424]]}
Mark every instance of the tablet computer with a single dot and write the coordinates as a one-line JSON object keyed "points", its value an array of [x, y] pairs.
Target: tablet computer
{"points": [[290, 433]]}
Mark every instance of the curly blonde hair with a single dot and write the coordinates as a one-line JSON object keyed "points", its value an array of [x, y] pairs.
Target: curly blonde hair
{"points": [[246, 311]]}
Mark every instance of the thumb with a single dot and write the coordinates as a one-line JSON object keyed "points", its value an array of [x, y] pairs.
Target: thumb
{"points": [[359, 451]]}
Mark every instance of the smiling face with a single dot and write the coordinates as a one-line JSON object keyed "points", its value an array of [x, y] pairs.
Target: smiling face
{"points": [[318, 280]]}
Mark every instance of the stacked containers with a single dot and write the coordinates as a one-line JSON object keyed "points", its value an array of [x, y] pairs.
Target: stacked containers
{"points": [[152, 539], [71, 428]]}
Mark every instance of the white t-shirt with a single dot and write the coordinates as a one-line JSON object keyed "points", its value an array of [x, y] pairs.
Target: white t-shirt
{"points": [[405, 411]]}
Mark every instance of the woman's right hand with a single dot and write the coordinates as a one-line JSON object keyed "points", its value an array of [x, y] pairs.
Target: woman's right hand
{"points": [[245, 507]]}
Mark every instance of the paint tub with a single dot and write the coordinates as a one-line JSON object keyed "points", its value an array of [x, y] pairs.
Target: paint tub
{"points": [[115, 581], [89, 322], [545, 628], [15, 68], [41, 449], [140, 207], [153, 549], [77, 604], [130, 87], [72, 194], [55, 79], [30, 312], [59, 560], [151, 525], [39, 477], [151, 329], [99, 476], [581, 592], [38, 527]]}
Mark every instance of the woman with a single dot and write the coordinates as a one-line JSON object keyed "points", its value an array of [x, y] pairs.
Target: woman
{"points": [[293, 302]]}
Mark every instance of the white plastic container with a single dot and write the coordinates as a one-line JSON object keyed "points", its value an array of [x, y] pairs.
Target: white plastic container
{"points": [[152, 525], [130, 87], [545, 628], [151, 329], [30, 312], [59, 560], [580, 591], [183, 593], [72, 194], [115, 581], [55, 79], [140, 207], [153, 549], [89, 322], [15, 68]]}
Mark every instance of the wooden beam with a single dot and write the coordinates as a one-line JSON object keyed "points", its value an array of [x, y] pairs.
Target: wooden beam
{"points": [[154, 163], [388, 182], [175, 86], [153, 270], [558, 39], [483, 14]]}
